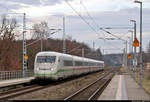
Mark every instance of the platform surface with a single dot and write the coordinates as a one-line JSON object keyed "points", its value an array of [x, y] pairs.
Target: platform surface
{"points": [[15, 81], [123, 87]]}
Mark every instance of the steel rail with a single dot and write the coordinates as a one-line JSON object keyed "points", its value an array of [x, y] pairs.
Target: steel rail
{"points": [[21, 91], [84, 88], [16, 89], [100, 88]]}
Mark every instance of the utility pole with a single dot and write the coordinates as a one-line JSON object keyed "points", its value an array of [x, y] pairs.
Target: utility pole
{"points": [[24, 45], [64, 40], [126, 55], [103, 55], [132, 49], [135, 60], [130, 52], [82, 52], [41, 43], [141, 59], [93, 45]]}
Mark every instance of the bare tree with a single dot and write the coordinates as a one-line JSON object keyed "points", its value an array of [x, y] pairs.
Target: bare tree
{"points": [[40, 30], [7, 28], [69, 37], [7, 46]]}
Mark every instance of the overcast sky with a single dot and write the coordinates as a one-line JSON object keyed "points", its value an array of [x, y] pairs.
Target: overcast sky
{"points": [[105, 13]]}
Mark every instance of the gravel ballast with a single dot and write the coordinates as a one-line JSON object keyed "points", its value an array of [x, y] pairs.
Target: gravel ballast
{"points": [[61, 90]]}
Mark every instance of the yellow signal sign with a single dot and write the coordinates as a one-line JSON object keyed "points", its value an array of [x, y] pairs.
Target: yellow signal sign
{"points": [[26, 57], [129, 56], [121, 69], [136, 43]]}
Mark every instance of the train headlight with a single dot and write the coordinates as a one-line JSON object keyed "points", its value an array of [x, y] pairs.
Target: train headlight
{"points": [[37, 69], [52, 68]]}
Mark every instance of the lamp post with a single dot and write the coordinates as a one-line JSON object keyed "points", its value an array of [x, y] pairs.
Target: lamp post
{"points": [[131, 47], [135, 60], [141, 62], [126, 55], [129, 55]]}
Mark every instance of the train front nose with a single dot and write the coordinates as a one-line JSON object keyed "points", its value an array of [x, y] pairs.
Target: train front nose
{"points": [[46, 70], [45, 66]]}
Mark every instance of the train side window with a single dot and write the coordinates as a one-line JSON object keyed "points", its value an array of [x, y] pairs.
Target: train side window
{"points": [[85, 63], [78, 63], [89, 64], [92, 64], [68, 63]]}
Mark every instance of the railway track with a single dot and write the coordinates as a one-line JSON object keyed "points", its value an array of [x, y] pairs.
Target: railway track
{"points": [[9, 94], [93, 90], [20, 91]]}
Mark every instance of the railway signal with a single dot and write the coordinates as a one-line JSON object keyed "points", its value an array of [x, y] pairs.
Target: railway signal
{"points": [[136, 42], [26, 57], [129, 56]]}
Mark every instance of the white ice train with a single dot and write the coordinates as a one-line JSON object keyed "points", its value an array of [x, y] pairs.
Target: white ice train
{"points": [[54, 65]]}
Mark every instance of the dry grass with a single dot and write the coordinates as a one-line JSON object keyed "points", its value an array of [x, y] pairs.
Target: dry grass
{"points": [[146, 80]]}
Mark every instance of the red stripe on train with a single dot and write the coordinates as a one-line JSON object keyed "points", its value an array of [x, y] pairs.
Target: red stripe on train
{"points": [[85, 68]]}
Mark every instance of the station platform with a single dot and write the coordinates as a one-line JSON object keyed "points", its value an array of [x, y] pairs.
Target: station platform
{"points": [[123, 87], [11, 82]]}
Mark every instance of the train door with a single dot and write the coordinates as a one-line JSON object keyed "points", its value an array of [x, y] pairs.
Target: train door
{"points": [[73, 67], [60, 67]]}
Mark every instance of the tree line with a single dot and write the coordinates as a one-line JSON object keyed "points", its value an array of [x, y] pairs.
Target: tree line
{"points": [[11, 48]]}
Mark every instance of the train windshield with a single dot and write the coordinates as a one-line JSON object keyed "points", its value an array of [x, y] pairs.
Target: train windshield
{"points": [[46, 59]]}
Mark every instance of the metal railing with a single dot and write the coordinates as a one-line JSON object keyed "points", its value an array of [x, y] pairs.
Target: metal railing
{"points": [[8, 75]]}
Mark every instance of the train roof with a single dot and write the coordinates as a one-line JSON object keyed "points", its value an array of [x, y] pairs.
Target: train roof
{"points": [[43, 53], [48, 53]]}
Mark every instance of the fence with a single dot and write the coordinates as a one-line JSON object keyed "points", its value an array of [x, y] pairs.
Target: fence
{"points": [[7, 75]]}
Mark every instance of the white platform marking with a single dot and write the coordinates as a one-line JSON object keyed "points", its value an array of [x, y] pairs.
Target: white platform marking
{"points": [[121, 91]]}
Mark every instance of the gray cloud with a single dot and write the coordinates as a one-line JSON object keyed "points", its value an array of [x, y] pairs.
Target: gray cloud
{"points": [[76, 27], [17, 4], [6, 5], [114, 18], [28, 2], [51, 2], [10, 6], [35, 2]]}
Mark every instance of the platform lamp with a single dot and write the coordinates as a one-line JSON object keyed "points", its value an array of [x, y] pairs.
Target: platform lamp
{"points": [[141, 62]]}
